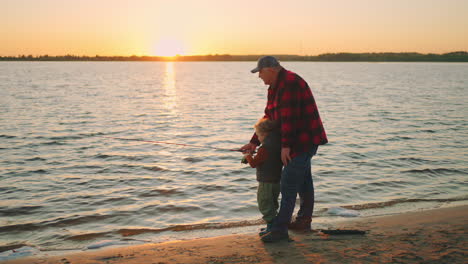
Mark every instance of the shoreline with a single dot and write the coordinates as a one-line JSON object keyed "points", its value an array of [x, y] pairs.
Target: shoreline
{"points": [[454, 56], [433, 236]]}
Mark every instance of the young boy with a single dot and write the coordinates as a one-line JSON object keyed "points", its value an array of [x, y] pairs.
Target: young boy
{"points": [[268, 163]]}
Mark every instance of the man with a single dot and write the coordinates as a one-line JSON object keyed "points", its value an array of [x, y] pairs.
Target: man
{"points": [[291, 103]]}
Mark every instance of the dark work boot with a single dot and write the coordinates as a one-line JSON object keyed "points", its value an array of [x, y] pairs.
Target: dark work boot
{"points": [[275, 236], [302, 224], [266, 230]]}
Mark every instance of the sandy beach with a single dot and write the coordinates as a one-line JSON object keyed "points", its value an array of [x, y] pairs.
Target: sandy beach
{"points": [[431, 236]]}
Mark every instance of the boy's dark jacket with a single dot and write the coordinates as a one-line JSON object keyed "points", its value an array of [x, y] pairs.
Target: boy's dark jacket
{"points": [[268, 159]]}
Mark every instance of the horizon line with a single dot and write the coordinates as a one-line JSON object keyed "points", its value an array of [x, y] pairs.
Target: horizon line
{"points": [[457, 56], [227, 54]]}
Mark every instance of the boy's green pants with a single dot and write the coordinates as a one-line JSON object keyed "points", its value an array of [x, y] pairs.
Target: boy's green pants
{"points": [[267, 198]]}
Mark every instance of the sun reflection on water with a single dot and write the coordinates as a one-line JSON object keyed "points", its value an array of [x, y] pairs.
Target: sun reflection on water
{"points": [[169, 84]]}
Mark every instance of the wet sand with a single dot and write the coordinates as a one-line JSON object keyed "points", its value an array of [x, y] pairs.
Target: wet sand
{"points": [[432, 236]]}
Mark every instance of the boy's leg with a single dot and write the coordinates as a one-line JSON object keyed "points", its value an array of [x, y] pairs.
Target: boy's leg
{"points": [[267, 198]]}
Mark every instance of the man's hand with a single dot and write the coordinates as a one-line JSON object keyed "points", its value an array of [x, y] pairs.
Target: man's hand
{"points": [[285, 157], [248, 148]]}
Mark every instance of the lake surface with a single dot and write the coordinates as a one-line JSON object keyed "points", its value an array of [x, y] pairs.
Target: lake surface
{"points": [[397, 131]]}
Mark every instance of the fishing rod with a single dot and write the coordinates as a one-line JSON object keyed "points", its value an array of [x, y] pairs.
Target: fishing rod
{"points": [[170, 143]]}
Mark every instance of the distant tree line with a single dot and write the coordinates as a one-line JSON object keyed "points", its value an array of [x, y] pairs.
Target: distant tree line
{"points": [[459, 56]]}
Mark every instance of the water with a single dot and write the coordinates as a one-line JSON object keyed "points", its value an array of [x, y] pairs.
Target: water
{"points": [[397, 132]]}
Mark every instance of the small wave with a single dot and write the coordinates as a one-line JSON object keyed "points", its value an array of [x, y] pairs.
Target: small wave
{"points": [[7, 136], [10, 189], [355, 155], [53, 143], [65, 137], [20, 227], [102, 156], [150, 168], [74, 123], [398, 138], [76, 220], [400, 201], [40, 171], [154, 168], [339, 211], [11, 247], [211, 188], [435, 171], [241, 180], [179, 228], [89, 236], [119, 157], [428, 131], [105, 243], [172, 208], [81, 167], [161, 192], [191, 173], [36, 159], [164, 180], [16, 162], [48, 143], [22, 210], [193, 160], [21, 252], [387, 184], [236, 172], [59, 222], [414, 160], [111, 201], [245, 208], [391, 119]]}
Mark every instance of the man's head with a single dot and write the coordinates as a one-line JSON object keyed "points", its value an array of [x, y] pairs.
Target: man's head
{"points": [[267, 68]]}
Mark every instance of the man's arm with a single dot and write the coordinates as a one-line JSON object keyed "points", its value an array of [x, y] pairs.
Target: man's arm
{"points": [[289, 114]]}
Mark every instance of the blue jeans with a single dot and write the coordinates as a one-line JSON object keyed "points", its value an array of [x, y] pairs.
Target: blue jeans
{"points": [[296, 178]]}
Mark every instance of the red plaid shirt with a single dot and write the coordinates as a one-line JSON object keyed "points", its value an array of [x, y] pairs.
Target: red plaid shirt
{"points": [[291, 103]]}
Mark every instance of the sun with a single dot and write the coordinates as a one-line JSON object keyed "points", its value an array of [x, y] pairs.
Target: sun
{"points": [[169, 47]]}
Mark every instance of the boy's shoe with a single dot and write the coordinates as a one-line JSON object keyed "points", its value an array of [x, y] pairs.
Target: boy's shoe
{"points": [[275, 236], [265, 230], [302, 224]]}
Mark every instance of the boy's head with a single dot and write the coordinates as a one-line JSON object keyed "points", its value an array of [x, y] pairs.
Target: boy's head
{"points": [[263, 127]]}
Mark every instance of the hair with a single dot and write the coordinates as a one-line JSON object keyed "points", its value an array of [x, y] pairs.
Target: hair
{"points": [[275, 68], [278, 68], [264, 126]]}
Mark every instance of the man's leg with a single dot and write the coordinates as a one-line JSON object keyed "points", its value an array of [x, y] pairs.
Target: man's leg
{"points": [[306, 194], [304, 215], [292, 178]]}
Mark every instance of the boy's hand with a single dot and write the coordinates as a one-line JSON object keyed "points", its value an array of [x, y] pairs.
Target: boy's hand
{"points": [[248, 148], [244, 159]]}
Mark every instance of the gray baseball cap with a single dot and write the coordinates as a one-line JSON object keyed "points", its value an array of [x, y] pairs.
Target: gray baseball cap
{"points": [[265, 62]]}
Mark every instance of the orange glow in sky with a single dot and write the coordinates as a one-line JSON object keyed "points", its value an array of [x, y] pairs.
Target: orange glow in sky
{"points": [[168, 47], [199, 27]]}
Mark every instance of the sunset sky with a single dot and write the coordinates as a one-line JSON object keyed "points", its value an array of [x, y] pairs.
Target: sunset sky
{"points": [[199, 27]]}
